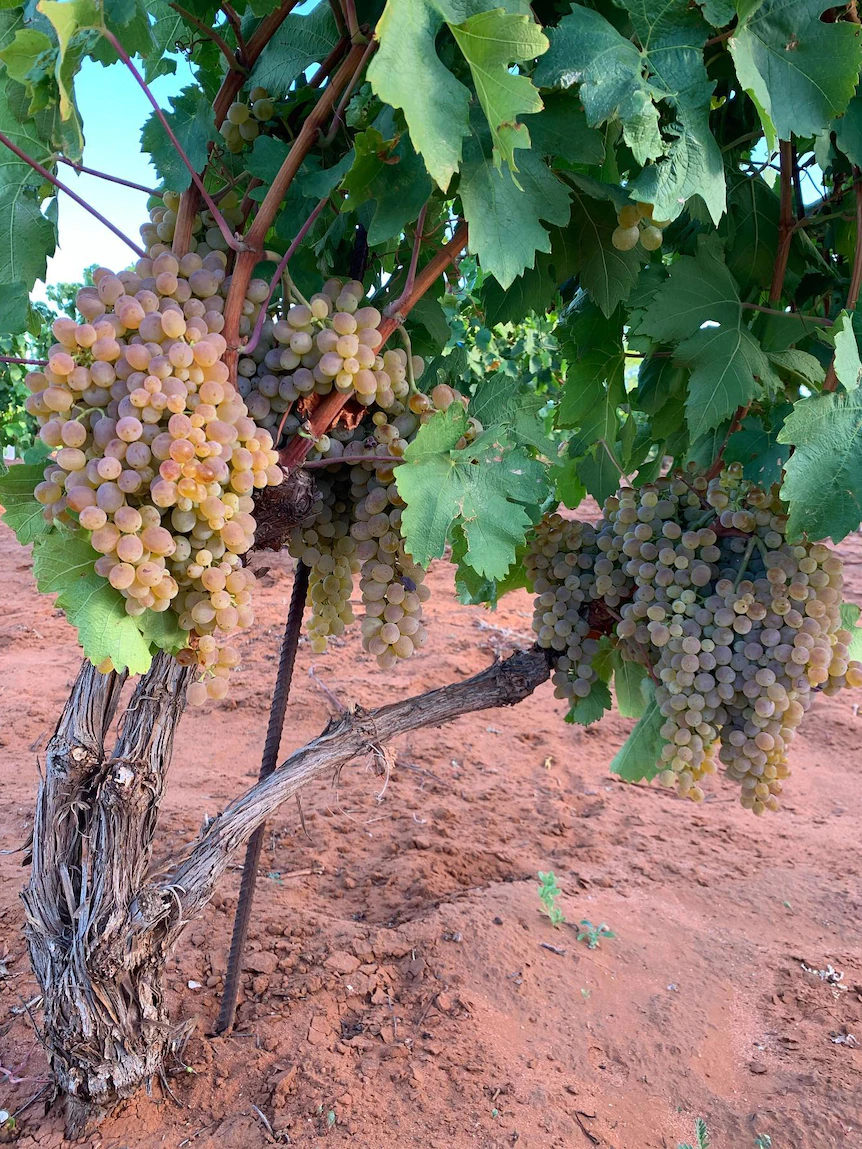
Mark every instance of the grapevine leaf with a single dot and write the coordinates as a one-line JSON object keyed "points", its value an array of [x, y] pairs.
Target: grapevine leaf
{"points": [[567, 485], [800, 71], [505, 228], [758, 449], [639, 756], [21, 512], [537, 288], [592, 345], [799, 366], [585, 711], [27, 235], [599, 473], [561, 129], [20, 56], [754, 218], [850, 621], [629, 678], [167, 29], [848, 367], [698, 290], [848, 131], [11, 20], [726, 364], [68, 18], [485, 487], [719, 12], [63, 564], [491, 42], [193, 123], [14, 308], [500, 401], [475, 590], [620, 82], [392, 174], [300, 42], [27, 137], [586, 49], [606, 273], [823, 476], [437, 106]]}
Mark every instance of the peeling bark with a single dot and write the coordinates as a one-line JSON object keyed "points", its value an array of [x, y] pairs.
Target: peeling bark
{"points": [[105, 1029]]}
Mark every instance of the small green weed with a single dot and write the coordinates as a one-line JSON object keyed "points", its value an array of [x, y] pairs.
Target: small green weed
{"points": [[762, 1141], [592, 935], [549, 891], [701, 1135]]}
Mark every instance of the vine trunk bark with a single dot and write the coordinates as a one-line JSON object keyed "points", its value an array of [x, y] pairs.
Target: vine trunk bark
{"points": [[99, 926]]}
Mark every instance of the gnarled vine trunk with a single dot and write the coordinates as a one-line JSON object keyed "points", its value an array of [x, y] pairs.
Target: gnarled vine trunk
{"points": [[105, 1028], [99, 927]]}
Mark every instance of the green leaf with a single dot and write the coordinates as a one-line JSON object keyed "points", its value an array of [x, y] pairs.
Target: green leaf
{"points": [[585, 711], [502, 401], [619, 82], [699, 289], [392, 174], [823, 476], [607, 274], [505, 228], [758, 449], [491, 43], [639, 755], [800, 71], [848, 131], [592, 345], [561, 130], [727, 368], [21, 512], [850, 621], [599, 473], [753, 223], [193, 123], [588, 50], [168, 27], [300, 42], [20, 56], [629, 680], [485, 488], [63, 565], [14, 308], [407, 73], [475, 590], [848, 367], [27, 235], [799, 366]]}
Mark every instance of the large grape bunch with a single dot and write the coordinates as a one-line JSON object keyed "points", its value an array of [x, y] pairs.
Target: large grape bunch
{"points": [[155, 453], [355, 528], [738, 627]]}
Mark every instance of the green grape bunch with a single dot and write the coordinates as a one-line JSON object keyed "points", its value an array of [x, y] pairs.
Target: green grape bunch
{"points": [[738, 627]]}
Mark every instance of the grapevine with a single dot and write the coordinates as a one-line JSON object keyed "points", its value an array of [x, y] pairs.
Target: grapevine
{"points": [[409, 290]]}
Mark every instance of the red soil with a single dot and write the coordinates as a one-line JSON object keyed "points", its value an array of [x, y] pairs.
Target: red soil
{"points": [[401, 991]]}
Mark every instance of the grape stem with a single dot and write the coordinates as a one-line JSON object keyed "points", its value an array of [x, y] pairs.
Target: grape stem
{"points": [[280, 271], [408, 347], [85, 171], [234, 21], [230, 239], [613, 458], [817, 320], [349, 7], [394, 307], [46, 175], [329, 63], [32, 362], [786, 221], [745, 559], [329, 138], [211, 34]]}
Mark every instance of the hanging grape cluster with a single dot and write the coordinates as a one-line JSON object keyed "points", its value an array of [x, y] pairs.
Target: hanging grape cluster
{"points": [[738, 627], [154, 451]]}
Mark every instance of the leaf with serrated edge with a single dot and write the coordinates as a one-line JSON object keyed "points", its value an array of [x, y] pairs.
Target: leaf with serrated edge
{"points": [[800, 71], [491, 43], [628, 685], [485, 488], [21, 511], [823, 476], [63, 564], [850, 621]]}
